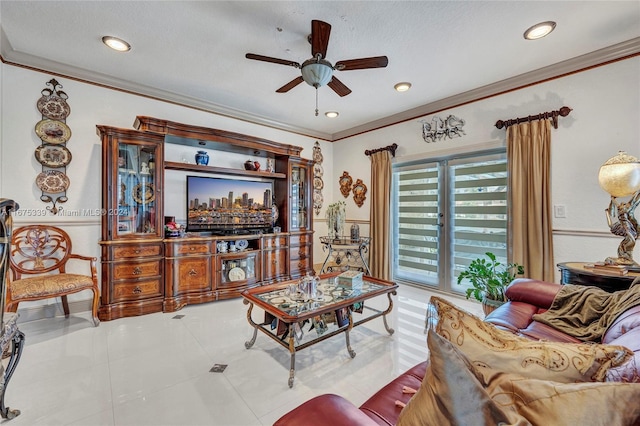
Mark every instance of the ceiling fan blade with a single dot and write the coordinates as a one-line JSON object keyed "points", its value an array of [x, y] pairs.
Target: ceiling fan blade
{"points": [[339, 87], [362, 63], [290, 85], [320, 32], [272, 60]]}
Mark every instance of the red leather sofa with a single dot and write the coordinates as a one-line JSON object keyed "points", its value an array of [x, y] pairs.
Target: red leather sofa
{"points": [[526, 298]]}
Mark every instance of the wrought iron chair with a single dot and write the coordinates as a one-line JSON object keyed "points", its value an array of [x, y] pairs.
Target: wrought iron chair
{"points": [[39, 256]]}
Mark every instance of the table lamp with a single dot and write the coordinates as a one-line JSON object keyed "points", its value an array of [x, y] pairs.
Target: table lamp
{"points": [[620, 177]]}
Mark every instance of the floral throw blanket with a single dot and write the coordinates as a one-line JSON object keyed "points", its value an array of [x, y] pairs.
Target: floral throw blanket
{"points": [[586, 312]]}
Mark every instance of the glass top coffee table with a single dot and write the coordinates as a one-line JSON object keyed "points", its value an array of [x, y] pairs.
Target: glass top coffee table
{"points": [[295, 322]]}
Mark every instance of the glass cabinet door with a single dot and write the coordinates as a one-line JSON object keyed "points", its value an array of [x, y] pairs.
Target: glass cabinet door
{"points": [[238, 269], [298, 197], [136, 190]]}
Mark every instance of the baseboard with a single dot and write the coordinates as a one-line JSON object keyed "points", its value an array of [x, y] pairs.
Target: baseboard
{"points": [[32, 312]]}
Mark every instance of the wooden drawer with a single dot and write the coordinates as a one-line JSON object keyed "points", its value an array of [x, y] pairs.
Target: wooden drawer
{"points": [[299, 253], [274, 242], [143, 289], [129, 251], [128, 270], [275, 263], [300, 239], [299, 264], [195, 248]]}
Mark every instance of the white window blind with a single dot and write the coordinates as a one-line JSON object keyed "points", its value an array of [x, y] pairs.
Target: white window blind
{"points": [[447, 213]]}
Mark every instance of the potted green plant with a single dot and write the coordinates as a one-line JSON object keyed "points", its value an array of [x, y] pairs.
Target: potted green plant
{"points": [[489, 279]]}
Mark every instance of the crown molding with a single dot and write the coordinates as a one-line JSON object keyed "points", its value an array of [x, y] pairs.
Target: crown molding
{"points": [[593, 59], [580, 63]]}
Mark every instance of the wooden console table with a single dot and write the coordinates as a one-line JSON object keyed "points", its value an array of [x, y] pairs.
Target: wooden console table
{"points": [[577, 273]]}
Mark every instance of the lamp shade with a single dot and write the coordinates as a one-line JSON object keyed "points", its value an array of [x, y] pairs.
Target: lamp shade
{"points": [[317, 73], [620, 175]]}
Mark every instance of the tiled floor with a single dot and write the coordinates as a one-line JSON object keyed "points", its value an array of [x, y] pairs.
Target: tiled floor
{"points": [[154, 369]]}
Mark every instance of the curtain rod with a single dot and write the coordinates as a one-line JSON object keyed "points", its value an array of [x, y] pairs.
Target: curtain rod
{"points": [[553, 115], [391, 148]]}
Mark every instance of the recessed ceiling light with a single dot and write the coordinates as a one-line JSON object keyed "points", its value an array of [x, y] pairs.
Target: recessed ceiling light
{"points": [[331, 114], [402, 87], [116, 43], [539, 30]]}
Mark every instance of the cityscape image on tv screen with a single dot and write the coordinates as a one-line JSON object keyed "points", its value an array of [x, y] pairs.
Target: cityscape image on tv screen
{"points": [[223, 204]]}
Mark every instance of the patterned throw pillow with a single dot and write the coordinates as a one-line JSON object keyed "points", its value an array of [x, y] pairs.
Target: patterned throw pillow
{"points": [[451, 394], [492, 351]]}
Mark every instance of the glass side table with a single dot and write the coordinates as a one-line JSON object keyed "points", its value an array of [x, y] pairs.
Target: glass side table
{"points": [[345, 253]]}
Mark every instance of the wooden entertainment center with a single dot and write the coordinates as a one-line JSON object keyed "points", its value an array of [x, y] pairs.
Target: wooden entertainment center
{"points": [[144, 272]]}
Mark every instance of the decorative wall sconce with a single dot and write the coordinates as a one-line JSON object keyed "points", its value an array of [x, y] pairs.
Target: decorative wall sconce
{"points": [[359, 192], [439, 129], [345, 184]]}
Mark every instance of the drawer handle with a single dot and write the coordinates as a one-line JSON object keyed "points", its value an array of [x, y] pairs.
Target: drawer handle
{"points": [[302, 255], [193, 272], [137, 270], [275, 262], [192, 248], [137, 290], [137, 251]]}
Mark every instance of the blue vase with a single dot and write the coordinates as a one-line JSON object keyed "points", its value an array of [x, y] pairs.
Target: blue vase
{"points": [[202, 158]]}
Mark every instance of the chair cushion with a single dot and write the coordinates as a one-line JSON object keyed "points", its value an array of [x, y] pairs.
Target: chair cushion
{"points": [[48, 286]]}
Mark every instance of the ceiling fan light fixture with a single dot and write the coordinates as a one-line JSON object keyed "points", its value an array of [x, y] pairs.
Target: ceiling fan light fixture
{"points": [[539, 30], [402, 87], [317, 72], [332, 114], [116, 43]]}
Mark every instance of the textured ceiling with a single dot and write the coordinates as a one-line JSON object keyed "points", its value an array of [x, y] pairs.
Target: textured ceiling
{"points": [[193, 52]]}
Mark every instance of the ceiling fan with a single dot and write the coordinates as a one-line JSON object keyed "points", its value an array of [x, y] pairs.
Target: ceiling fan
{"points": [[317, 71]]}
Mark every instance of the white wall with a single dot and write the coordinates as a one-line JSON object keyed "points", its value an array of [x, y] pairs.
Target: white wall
{"points": [[605, 119]]}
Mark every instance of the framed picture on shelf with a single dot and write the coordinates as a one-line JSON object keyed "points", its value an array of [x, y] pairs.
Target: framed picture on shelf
{"points": [[126, 225]]}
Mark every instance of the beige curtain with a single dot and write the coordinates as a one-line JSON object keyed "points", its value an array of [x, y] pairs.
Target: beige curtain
{"points": [[380, 213], [529, 232]]}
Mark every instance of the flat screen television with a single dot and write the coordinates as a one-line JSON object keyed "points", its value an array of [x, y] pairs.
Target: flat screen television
{"points": [[228, 206]]}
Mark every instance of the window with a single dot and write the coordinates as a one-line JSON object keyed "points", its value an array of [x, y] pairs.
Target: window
{"points": [[447, 212]]}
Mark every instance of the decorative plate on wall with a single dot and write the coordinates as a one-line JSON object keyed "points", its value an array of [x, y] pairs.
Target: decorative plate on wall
{"points": [[53, 107], [53, 131], [52, 181], [318, 170], [53, 156], [318, 183]]}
